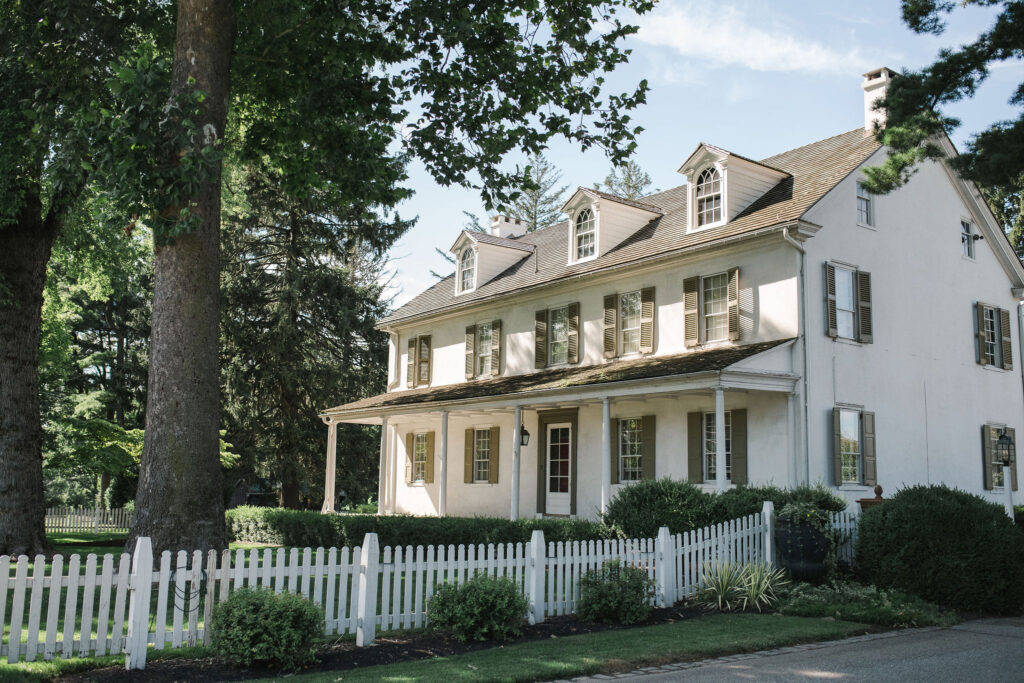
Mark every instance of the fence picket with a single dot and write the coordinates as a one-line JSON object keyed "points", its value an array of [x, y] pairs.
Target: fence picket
{"points": [[52, 608], [68, 643], [106, 578]]}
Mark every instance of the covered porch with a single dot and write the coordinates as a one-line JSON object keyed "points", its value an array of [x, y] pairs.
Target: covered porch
{"points": [[561, 442]]}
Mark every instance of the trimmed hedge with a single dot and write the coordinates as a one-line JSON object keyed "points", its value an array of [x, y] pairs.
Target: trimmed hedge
{"points": [[310, 529]]}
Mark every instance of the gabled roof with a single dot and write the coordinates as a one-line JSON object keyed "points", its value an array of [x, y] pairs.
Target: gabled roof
{"points": [[487, 238], [597, 194], [726, 153], [813, 170]]}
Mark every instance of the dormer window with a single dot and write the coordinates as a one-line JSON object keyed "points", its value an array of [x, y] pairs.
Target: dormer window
{"points": [[467, 270], [709, 197], [585, 234]]}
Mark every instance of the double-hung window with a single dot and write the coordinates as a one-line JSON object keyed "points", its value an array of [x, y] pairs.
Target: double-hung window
{"points": [[484, 333], [711, 447], [631, 448], [586, 227], [853, 448], [865, 210], [994, 340], [709, 197], [715, 301], [481, 455], [846, 304], [558, 335], [967, 238], [467, 270], [419, 457], [629, 327], [850, 451]]}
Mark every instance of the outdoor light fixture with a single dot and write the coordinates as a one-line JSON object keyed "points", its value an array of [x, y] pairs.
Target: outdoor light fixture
{"points": [[524, 436], [1005, 449]]}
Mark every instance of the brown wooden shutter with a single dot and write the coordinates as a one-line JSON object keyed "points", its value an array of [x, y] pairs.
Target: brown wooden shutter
{"points": [[613, 438], [492, 466], [867, 436], [574, 333], [694, 452], [495, 348], [986, 456], [734, 303], [470, 351], [1007, 339], [1012, 433], [428, 475], [691, 311], [739, 446], [979, 316], [423, 359], [611, 327], [865, 328], [540, 339], [837, 448], [648, 434], [831, 322], [410, 369], [408, 456], [468, 478], [647, 320]]}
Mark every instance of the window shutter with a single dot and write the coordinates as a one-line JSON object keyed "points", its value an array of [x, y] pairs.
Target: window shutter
{"points": [[574, 333], [739, 447], [423, 359], [470, 351], [1013, 467], [837, 449], [867, 435], [611, 327], [614, 435], [694, 452], [979, 316], [986, 455], [408, 457], [495, 348], [428, 476], [691, 312], [734, 305], [540, 339], [492, 467], [469, 456], [649, 436], [647, 320], [831, 322], [410, 369], [865, 329], [1007, 339]]}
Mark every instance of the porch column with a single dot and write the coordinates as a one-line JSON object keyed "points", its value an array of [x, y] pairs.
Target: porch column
{"points": [[794, 452], [442, 494], [332, 454], [517, 437], [606, 454], [721, 482], [382, 485]]}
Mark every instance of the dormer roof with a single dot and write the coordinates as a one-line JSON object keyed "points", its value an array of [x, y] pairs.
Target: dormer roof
{"points": [[486, 238], [706, 152], [598, 195]]}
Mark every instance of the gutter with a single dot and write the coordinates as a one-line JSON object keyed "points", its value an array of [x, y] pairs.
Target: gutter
{"points": [[802, 331]]}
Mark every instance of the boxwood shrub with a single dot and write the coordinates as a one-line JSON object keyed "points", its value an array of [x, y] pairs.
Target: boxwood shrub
{"points": [[946, 546], [258, 626], [484, 608], [308, 528]]}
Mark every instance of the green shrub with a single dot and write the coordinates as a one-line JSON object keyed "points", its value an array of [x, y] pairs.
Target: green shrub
{"points": [[615, 594], [1018, 515], [258, 626], [864, 604], [483, 608], [746, 500], [640, 509], [729, 586], [946, 546], [804, 514]]}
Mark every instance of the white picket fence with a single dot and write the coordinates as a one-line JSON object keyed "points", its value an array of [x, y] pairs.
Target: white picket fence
{"points": [[845, 523], [126, 603], [88, 520]]}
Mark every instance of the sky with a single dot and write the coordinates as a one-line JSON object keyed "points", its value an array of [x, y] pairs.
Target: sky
{"points": [[752, 77]]}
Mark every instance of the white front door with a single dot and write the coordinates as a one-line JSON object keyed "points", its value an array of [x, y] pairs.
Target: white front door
{"points": [[559, 470]]}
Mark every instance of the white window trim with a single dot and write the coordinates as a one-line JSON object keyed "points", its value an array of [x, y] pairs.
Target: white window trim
{"points": [[872, 223], [856, 312], [415, 438], [703, 446], [620, 332], [476, 430], [973, 257], [572, 235], [621, 465], [860, 444], [458, 275], [551, 338], [692, 199], [702, 332], [478, 351]]}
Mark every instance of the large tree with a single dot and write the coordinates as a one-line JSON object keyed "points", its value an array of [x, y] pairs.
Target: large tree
{"points": [[915, 100], [541, 197], [628, 180]]}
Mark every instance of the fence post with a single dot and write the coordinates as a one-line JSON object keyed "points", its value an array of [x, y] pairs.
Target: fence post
{"points": [[665, 568], [536, 571], [768, 520], [366, 608], [141, 586]]}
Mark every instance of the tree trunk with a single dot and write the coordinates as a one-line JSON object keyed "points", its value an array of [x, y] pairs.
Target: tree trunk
{"points": [[179, 503], [24, 252]]}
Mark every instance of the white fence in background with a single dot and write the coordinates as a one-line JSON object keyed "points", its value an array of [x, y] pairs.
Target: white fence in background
{"points": [[123, 604], [87, 520], [845, 524]]}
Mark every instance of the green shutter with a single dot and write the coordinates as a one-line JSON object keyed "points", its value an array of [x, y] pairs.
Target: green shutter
{"points": [[614, 435], [648, 459], [423, 359], [611, 327], [867, 435], [734, 306], [691, 312], [694, 452], [865, 327], [986, 457], [979, 317], [428, 475], [837, 448], [492, 466], [540, 339], [739, 446], [410, 366], [470, 351], [1006, 338], [1012, 433], [495, 348], [408, 456], [647, 320], [468, 478], [831, 321], [574, 333]]}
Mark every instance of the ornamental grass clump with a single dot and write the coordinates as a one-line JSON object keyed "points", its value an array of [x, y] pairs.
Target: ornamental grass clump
{"points": [[256, 626], [616, 593], [728, 586], [483, 608]]}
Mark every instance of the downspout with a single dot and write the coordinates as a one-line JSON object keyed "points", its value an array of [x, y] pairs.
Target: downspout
{"points": [[802, 331]]}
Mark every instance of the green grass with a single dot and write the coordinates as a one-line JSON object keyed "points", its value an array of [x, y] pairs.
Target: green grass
{"points": [[618, 650], [30, 672]]}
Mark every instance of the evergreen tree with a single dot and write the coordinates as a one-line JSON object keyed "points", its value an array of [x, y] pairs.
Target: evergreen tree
{"points": [[1007, 204], [472, 224], [628, 180], [541, 198]]}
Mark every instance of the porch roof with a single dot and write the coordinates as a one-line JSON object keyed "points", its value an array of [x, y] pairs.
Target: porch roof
{"points": [[545, 381]]}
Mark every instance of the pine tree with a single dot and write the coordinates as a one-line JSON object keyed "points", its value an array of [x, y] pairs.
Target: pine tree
{"points": [[472, 224], [541, 199], [628, 180], [1007, 204]]}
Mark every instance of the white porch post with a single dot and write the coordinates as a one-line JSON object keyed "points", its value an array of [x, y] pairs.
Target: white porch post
{"points": [[794, 451], [332, 454], [442, 493], [393, 459], [721, 482], [606, 454], [382, 485], [1008, 485], [517, 434]]}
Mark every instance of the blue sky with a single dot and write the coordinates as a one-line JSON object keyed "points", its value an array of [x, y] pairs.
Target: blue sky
{"points": [[753, 77]]}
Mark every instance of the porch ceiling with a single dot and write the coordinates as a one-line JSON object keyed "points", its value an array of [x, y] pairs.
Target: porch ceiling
{"points": [[680, 372]]}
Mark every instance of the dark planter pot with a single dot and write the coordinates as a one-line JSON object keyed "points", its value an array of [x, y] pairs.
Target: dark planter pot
{"points": [[801, 550]]}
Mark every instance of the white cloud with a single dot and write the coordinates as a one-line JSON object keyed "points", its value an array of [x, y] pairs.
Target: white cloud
{"points": [[720, 35]]}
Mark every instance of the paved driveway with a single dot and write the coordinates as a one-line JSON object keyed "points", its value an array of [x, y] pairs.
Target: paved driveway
{"points": [[976, 651]]}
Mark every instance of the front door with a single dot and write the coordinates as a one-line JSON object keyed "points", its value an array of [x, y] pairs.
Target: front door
{"points": [[559, 444]]}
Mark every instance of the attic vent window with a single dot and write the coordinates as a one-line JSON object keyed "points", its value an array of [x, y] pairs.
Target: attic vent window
{"points": [[585, 226], [467, 270], [709, 197]]}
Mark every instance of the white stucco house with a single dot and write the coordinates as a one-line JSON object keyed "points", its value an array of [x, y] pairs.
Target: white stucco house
{"points": [[765, 322]]}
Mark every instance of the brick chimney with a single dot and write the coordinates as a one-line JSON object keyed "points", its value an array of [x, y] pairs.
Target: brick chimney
{"points": [[506, 226], [875, 84]]}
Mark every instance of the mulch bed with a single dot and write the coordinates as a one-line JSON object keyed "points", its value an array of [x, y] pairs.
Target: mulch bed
{"points": [[387, 649]]}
